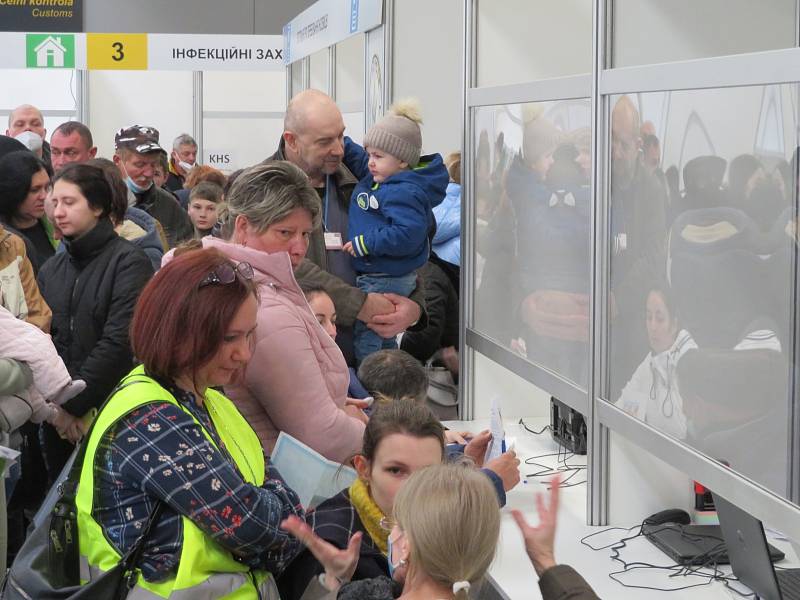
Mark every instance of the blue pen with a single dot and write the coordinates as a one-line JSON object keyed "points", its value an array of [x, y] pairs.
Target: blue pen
{"points": [[503, 445]]}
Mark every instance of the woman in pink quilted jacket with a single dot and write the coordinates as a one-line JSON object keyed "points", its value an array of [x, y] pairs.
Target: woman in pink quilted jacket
{"points": [[297, 379]]}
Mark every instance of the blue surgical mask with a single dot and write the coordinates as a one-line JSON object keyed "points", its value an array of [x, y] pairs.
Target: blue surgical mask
{"points": [[389, 552], [392, 566], [136, 189]]}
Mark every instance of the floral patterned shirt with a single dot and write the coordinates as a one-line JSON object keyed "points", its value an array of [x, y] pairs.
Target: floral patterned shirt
{"points": [[158, 452]]}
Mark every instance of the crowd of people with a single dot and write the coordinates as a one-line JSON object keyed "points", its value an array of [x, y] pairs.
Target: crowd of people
{"points": [[700, 273], [194, 316]]}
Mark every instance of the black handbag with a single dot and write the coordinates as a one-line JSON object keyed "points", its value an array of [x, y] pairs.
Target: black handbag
{"points": [[47, 566]]}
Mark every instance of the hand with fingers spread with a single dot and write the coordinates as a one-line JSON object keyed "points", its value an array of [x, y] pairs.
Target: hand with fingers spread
{"points": [[539, 540], [339, 564]]}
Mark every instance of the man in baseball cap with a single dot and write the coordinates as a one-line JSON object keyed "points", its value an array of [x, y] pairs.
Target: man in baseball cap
{"points": [[136, 155]]}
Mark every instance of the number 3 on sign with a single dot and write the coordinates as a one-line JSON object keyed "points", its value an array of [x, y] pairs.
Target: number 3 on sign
{"points": [[118, 53], [116, 50]]}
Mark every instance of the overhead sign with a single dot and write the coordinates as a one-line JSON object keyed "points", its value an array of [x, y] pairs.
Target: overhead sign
{"points": [[140, 51], [215, 52], [327, 22], [49, 51], [41, 15], [123, 51]]}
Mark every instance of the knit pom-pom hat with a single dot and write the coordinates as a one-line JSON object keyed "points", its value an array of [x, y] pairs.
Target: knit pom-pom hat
{"points": [[398, 133]]}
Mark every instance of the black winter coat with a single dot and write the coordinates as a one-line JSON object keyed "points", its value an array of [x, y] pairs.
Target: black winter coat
{"points": [[92, 289]]}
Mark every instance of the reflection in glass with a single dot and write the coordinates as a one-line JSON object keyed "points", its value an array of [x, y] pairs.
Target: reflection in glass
{"points": [[702, 246], [532, 169]]}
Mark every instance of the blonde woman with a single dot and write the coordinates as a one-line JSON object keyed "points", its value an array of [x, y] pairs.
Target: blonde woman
{"points": [[431, 548], [442, 541]]}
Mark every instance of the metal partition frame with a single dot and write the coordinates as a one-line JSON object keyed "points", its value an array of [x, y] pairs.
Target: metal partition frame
{"points": [[560, 88], [770, 67]]}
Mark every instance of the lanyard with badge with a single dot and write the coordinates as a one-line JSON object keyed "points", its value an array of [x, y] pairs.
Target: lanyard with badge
{"points": [[333, 239]]}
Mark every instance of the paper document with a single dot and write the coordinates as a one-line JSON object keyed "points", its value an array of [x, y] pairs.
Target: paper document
{"points": [[497, 445], [312, 476], [9, 457]]}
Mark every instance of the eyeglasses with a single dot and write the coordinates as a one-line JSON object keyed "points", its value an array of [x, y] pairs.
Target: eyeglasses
{"points": [[387, 523], [226, 273]]}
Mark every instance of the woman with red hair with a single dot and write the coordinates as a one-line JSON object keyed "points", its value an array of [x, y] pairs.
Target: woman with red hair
{"points": [[167, 439]]}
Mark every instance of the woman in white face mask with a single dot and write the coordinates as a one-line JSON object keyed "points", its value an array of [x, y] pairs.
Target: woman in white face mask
{"points": [[443, 538]]}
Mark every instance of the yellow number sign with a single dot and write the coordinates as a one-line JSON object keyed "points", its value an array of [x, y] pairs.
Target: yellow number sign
{"points": [[116, 50]]}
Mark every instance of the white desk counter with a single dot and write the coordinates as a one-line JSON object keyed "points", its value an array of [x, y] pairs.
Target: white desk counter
{"points": [[512, 572]]}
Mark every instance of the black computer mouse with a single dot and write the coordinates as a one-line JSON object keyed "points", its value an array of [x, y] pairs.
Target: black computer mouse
{"points": [[670, 515]]}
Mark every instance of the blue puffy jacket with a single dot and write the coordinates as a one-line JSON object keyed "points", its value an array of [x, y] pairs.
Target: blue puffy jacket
{"points": [[447, 241], [390, 223]]}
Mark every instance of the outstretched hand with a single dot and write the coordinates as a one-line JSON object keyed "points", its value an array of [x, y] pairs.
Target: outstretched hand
{"points": [[339, 564], [539, 540]]}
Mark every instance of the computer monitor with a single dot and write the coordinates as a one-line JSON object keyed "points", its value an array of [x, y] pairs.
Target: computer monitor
{"points": [[747, 550]]}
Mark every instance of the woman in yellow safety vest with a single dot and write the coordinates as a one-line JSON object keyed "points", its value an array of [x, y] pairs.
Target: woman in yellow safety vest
{"points": [[167, 436]]}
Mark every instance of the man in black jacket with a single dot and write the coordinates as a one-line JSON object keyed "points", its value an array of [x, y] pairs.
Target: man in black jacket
{"points": [[313, 140], [136, 155]]}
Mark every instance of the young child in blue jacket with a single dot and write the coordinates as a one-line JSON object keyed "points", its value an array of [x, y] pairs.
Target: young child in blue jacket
{"points": [[391, 222]]}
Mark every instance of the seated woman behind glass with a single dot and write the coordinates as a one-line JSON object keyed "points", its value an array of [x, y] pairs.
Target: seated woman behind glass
{"points": [[652, 393], [166, 436]]}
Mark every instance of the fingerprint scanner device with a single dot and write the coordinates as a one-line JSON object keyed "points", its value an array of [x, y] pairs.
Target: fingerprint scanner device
{"points": [[568, 426], [750, 560]]}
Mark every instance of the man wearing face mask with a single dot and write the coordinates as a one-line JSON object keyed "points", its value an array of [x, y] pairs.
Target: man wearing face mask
{"points": [[136, 155], [183, 158], [26, 124]]}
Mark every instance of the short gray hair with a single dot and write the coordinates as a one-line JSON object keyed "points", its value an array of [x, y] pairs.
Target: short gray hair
{"points": [[269, 192], [183, 139]]}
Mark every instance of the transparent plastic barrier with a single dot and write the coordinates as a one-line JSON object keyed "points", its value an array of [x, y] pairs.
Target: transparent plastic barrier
{"points": [[703, 204], [533, 232]]}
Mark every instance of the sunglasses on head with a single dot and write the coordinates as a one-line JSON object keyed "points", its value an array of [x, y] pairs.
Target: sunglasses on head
{"points": [[226, 273]]}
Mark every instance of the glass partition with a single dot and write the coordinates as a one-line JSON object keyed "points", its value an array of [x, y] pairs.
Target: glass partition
{"points": [[520, 41], [533, 232], [296, 73], [319, 70], [653, 31], [350, 84], [703, 193]]}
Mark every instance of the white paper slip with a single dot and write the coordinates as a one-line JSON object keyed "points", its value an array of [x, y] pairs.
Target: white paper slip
{"points": [[312, 476], [496, 446], [9, 457]]}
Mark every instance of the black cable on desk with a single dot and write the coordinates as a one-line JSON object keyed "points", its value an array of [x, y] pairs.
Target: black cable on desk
{"points": [[694, 570], [533, 431]]}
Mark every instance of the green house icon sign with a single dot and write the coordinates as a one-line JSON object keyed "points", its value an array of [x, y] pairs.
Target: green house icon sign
{"points": [[50, 51]]}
